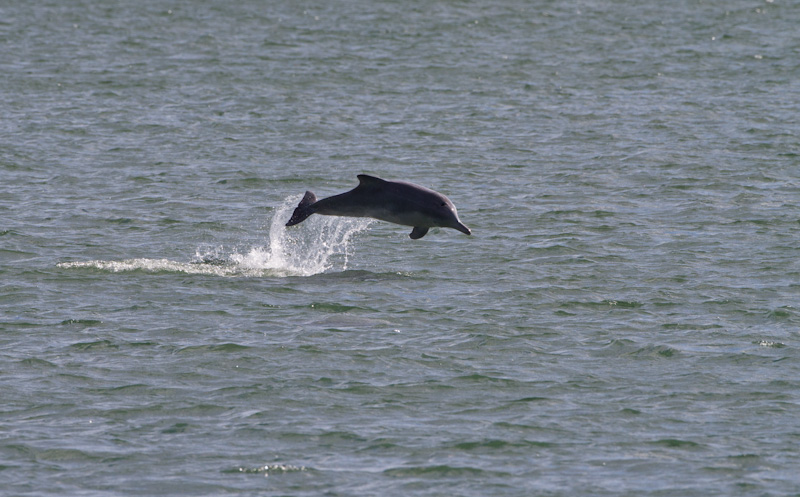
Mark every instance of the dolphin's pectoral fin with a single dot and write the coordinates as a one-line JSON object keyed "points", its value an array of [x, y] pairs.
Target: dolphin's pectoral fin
{"points": [[303, 209], [418, 232]]}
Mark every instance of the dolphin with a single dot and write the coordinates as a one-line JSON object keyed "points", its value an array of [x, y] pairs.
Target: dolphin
{"points": [[393, 201]]}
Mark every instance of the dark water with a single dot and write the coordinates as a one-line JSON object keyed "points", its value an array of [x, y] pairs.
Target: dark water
{"points": [[623, 321]]}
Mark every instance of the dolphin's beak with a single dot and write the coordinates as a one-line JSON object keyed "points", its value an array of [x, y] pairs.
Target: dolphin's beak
{"points": [[460, 227]]}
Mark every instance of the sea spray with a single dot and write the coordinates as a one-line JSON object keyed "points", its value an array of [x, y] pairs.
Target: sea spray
{"points": [[321, 244]]}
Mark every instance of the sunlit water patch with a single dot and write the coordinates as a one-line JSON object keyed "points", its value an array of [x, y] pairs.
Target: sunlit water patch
{"points": [[321, 244]]}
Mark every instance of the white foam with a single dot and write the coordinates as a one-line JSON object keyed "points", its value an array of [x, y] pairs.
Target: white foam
{"points": [[319, 244]]}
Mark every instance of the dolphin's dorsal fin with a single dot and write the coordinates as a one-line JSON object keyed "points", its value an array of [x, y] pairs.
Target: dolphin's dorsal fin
{"points": [[367, 181], [418, 232]]}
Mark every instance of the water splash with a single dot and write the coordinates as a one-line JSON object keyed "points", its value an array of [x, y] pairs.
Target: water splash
{"points": [[316, 246], [320, 244]]}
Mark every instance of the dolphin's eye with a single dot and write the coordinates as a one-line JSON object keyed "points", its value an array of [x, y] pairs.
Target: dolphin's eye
{"points": [[443, 204]]}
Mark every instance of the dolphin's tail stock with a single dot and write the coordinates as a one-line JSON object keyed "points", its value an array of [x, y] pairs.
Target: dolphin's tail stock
{"points": [[303, 209]]}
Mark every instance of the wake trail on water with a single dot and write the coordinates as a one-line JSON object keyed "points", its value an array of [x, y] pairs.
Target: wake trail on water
{"points": [[322, 244]]}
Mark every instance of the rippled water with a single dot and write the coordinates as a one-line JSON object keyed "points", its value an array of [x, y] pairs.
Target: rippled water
{"points": [[623, 321]]}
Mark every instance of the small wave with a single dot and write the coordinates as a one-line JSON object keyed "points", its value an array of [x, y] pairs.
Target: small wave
{"points": [[268, 469], [675, 443], [444, 470], [321, 244], [629, 348]]}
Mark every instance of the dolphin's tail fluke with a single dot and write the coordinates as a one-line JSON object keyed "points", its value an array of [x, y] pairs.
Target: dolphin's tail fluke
{"points": [[303, 210]]}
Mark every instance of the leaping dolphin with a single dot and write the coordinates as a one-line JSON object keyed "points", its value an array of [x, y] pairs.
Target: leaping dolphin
{"points": [[393, 201]]}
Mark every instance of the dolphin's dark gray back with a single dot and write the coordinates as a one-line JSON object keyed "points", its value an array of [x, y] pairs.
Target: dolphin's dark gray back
{"points": [[396, 202]]}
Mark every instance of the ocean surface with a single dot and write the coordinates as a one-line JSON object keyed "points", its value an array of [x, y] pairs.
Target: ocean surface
{"points": [[624, 320]]}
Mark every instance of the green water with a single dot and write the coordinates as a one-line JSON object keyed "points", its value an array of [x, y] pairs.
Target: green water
{"points": [[623, 320]]}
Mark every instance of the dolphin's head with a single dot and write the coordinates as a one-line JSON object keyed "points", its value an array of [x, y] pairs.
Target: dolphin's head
{"points": [[448, 216], [410, 205]]}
